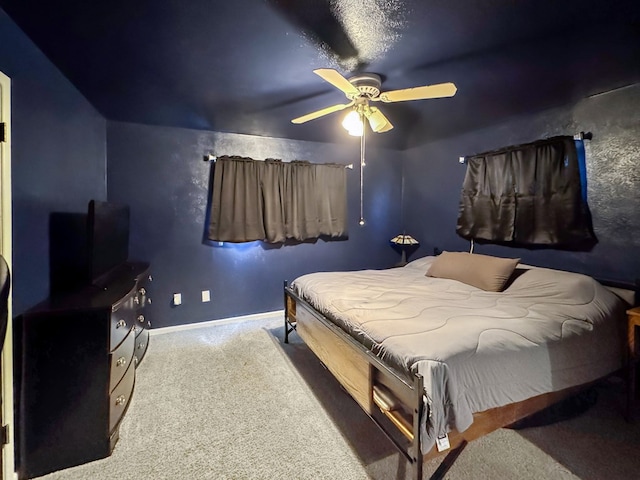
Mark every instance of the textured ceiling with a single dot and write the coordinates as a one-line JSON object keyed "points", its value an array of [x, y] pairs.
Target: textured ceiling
{"points": [[245, 66]]}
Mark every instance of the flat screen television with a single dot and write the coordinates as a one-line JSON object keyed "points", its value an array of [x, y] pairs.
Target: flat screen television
{"points": [[68, 252], [108, 237]]}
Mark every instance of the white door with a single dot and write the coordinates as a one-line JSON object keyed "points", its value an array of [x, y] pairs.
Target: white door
{"points": [[6, 372]]}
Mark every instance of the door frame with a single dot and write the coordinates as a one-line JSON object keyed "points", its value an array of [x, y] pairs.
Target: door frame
{"points": [[8, 452]]}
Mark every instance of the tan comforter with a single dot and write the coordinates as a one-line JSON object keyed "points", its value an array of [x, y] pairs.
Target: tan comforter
{"points": [[476, 350]]}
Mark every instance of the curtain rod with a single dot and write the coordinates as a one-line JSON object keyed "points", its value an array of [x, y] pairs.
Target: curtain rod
{"points": [[212, 158], [577, 136]]}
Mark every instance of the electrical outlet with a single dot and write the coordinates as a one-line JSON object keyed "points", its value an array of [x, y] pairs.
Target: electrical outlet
{"points": [[206, 296], [177, 299]]}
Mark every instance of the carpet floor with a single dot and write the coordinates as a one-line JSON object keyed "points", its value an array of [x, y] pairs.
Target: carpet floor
{"points": [[232, 401]]}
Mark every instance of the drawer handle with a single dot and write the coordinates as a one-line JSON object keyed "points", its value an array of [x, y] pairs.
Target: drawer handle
{"points": [[141, 318], [120, 400], [121, 361], [121, 323], [142, 291], [141, 345], [150, 278]]}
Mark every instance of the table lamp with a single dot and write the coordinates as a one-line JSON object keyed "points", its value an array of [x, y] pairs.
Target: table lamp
{"points": [[404, 242]]}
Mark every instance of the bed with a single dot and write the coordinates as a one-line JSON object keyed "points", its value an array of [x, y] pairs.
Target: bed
{"points": [[437, 362]]}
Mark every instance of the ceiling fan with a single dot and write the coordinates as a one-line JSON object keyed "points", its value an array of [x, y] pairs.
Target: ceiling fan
{"points": [[364, 88]]}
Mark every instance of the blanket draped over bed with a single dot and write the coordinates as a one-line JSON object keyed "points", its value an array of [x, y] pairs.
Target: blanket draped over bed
{"points": [[476, 350]]}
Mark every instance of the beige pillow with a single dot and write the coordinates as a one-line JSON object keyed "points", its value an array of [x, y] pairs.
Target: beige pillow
{"points": [[481, 271]]}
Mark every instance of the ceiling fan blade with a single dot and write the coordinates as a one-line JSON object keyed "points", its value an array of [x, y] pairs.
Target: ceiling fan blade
{"points": [[337, 80], [377, 120], [439, 90], [321, 113]]}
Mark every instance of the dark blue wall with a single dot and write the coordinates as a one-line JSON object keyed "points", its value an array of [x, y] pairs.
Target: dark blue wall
{"points": [[161, 174], [58, 157], [433, 179], [59, 163]]}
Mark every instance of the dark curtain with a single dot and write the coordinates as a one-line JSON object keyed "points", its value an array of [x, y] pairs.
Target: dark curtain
{"points": [[274, 201], [527, 194]]}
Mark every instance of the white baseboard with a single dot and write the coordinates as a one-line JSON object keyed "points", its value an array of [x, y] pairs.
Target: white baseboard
{"points": [[222, 321]]}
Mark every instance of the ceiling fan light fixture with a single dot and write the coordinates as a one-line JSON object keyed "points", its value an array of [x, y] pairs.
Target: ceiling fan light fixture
{"points": [[377, 121], [353, 123]]}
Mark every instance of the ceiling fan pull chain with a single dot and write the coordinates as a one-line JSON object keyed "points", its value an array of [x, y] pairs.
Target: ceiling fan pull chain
{"points": [[362, 144]]}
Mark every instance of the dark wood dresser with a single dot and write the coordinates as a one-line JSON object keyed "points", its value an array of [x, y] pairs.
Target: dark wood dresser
{"points": [[77, 355]]}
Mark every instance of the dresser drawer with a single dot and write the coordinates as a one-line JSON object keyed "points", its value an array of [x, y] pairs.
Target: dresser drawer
{"points": [[122, 319], [121, 396], [121, 358], [142, 343]]}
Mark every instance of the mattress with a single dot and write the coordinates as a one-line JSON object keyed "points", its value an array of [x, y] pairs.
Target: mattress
{"points": [[548, 330]]}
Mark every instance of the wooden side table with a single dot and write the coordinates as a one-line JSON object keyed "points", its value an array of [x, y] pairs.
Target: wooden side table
{"points": [[633, 322]]}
